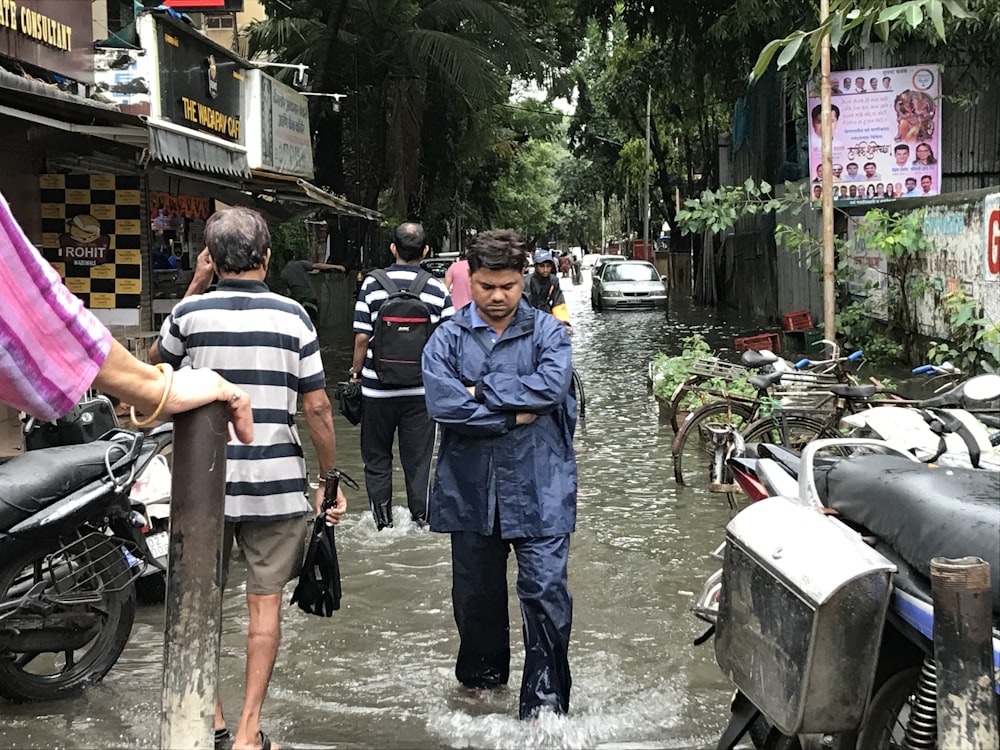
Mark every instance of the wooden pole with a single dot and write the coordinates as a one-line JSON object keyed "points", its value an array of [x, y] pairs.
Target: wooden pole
{"points": [[963, 654], [194, 586], [829, 288]]}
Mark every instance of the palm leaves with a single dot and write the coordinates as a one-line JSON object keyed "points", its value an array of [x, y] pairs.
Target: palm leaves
{"points": [[387, 53]]}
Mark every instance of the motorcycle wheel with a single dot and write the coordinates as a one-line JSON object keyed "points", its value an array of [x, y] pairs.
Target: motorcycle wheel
{"points": [[84, 580], [888, 712]]}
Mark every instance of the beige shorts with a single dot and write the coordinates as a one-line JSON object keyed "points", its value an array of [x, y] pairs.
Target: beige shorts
{"points": [[273, 551]]}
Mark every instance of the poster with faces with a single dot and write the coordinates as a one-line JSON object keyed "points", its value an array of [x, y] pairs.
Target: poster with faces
{"points": [[886, 134]]}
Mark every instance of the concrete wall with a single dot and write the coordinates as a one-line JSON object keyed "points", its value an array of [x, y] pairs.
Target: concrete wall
{"points": [[967, 255]]}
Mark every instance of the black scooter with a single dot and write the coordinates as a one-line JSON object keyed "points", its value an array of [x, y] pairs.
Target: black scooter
{"points": [[70, 550]]}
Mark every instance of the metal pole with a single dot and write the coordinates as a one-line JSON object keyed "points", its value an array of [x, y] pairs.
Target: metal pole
{"points": [[963, 654], [194, 587], [645, 201], [829, 290]]}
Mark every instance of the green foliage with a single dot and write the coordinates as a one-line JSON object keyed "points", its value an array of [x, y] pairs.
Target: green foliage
{"points": [[670, 372], [974, 344], [858, 18], [720, 210], [860, 330]]}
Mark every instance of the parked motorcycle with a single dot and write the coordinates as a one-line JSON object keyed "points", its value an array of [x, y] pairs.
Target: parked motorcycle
{"points": [[70, 549], [92, 418], [825, 622]]}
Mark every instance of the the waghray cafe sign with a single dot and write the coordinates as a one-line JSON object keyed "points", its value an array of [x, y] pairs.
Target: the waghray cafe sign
{"points": [[51, 34], [201, 86]]}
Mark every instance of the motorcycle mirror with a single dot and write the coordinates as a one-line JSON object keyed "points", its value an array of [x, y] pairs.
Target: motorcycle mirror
{"points": [[982, 388]]}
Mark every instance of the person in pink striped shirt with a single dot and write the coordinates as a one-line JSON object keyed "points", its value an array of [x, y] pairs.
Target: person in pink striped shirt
{"points": [[52, 349]]}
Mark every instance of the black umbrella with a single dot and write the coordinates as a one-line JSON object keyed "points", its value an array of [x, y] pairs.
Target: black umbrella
{"points": [[348, 394], [318, 591]]}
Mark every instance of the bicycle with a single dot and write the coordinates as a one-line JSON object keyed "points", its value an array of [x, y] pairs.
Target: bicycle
{"points": [[808, 382]]}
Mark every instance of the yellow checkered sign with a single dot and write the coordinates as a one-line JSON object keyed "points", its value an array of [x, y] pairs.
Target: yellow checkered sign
{"points": [[91, 234]]}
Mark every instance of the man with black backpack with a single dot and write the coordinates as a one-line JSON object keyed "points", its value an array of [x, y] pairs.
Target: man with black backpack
{"points": [[397, 310]]}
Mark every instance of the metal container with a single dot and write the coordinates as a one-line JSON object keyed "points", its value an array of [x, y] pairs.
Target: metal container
{"points": [[801, 613]]}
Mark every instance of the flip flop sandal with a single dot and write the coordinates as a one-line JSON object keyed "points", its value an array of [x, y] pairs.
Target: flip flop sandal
{"points": [[222, 736], [265, 741]]}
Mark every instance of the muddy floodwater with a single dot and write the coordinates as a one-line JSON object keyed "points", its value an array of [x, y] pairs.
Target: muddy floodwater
{"points": [[379, 673]]}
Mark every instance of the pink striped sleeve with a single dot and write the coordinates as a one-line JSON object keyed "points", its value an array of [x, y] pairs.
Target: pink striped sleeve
{"points": [[51, 346]]}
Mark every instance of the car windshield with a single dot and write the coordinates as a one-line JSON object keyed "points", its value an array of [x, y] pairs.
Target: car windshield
{"points": [[629, 272]]}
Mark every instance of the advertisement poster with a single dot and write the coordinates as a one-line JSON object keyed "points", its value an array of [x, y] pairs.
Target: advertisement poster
{"points": [[886, 134], [91, 235]]}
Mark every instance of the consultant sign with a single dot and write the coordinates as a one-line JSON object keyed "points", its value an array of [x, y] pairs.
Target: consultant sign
{"points": [[886, 134], [56, 35]]}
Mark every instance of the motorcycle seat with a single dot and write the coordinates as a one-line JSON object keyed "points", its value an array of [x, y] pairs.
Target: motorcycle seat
{"points": [[35, 480], [920, 511]]}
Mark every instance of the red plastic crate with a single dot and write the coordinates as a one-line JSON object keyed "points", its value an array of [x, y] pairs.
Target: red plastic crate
{"points": [[769, 341], [800, 320]]}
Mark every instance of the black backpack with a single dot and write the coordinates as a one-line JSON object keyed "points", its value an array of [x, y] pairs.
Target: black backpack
{"points": [[403, 327]]}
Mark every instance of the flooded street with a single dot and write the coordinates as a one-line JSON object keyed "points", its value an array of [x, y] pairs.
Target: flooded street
{"points": [[379, 673]]}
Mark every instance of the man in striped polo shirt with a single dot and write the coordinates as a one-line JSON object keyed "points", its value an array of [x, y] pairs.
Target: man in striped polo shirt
{"points": [[388, 411], [266, 344]]}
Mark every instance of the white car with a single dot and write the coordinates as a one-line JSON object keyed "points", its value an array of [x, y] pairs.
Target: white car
{"points": [[630, 283], [591, 259]]}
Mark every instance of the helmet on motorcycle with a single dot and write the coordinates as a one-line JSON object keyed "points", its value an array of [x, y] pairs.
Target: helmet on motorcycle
{"points": [[543, 256]]}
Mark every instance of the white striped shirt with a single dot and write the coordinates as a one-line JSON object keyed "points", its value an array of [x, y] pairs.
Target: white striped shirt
{"points": [[370, 299], [266, 344]]}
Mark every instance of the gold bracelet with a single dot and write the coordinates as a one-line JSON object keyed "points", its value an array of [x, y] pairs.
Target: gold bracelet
{"points": [[168, 374]]}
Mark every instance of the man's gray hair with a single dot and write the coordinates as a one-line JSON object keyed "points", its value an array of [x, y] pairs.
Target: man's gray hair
{"points": [[237, 239]]}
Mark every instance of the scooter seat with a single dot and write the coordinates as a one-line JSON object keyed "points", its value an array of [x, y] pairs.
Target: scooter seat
{"points": [[920, 511], [37, 479]]}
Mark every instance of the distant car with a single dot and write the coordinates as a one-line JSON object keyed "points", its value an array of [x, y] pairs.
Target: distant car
{"points": [[631, 283], [602, 260], [436, 266]]}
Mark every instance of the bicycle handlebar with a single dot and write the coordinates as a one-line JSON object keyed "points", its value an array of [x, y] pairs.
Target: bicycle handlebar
{"points": [[946, 369], [806, 362]]}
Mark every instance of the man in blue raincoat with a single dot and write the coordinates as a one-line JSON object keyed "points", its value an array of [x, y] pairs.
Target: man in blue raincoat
{"points": [[498, 382]]}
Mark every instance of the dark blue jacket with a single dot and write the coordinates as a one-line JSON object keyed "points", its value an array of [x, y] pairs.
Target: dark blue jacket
{"points": [[484, 459]]}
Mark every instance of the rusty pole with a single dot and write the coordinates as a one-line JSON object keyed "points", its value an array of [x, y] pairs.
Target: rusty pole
{"points": [[963, 653], [194, 588]]}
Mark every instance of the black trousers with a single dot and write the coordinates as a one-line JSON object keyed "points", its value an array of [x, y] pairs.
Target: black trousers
{"points": [[383, 419], [479, 596]]}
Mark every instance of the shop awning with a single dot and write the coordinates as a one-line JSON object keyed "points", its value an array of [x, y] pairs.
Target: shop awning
{"points": [[288, 189], [335, 202], [188, 149]]}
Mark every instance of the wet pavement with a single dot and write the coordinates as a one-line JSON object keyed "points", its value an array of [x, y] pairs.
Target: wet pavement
{"points": [[379, 673]]}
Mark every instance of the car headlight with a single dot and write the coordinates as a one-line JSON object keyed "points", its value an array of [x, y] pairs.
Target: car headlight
{"points": [[611, 293]]}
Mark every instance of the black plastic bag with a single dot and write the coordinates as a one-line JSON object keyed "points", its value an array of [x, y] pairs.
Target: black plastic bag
{"points": [[318, 591], [349, 395]]}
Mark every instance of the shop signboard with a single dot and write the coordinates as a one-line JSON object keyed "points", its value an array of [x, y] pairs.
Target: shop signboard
{"points": [[198, 85], [886, 134], [55, 35], [278, 135], [199, 6], [91, 234]]}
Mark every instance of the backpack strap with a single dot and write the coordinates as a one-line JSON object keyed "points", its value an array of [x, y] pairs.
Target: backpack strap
{"points": [[419, 282], [382, 277]]}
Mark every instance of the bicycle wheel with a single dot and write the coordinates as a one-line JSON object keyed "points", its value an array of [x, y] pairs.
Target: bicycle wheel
{"points": [[581, 397], [680, 392], [692, 449], [792, 431]]}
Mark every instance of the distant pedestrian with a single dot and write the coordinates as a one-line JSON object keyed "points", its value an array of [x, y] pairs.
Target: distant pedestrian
{"points": [[456, 279], [396, 408], [498, 379], [564, 265], [296, 275], [544, 292]]}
